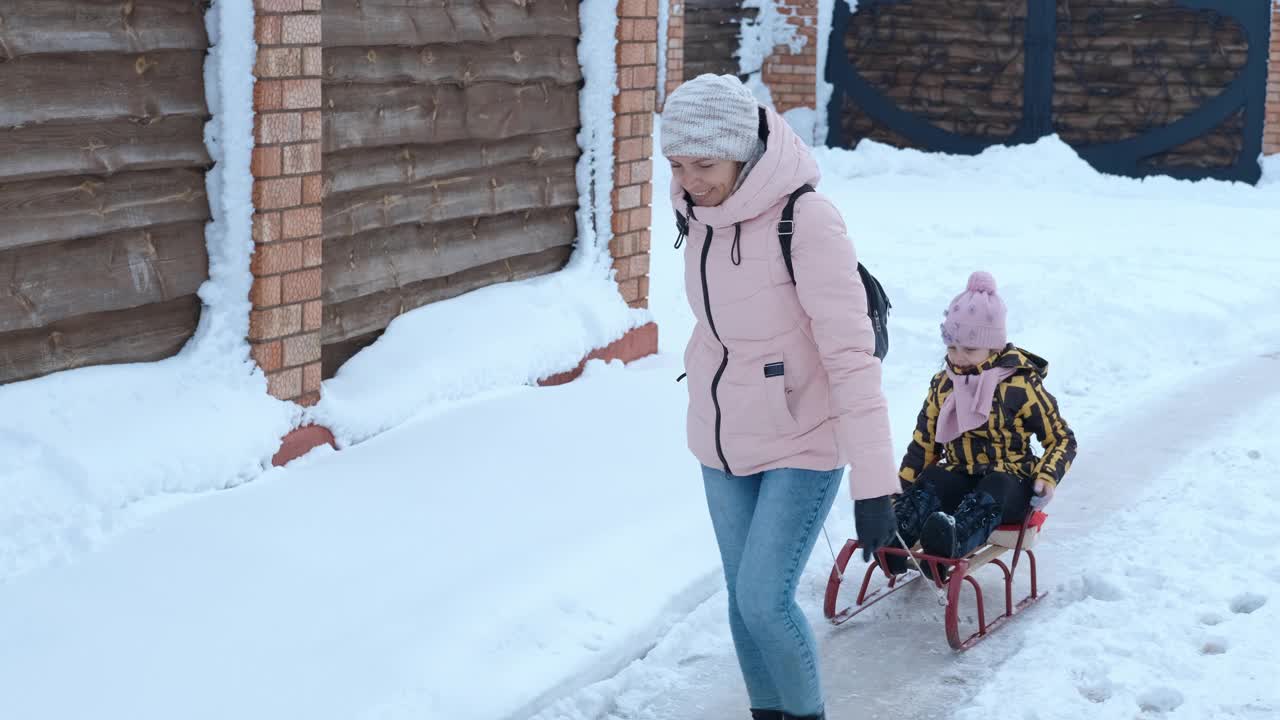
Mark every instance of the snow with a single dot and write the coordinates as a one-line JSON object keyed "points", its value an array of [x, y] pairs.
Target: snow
{"points": [[755, 83], [80, 448], [1172, 607], [497, 337], [760, 36], [505, 537], [804, 121], [88, 443], [597, 55], [664, 25], [1270, 170], [228, 75], [490, 549]]}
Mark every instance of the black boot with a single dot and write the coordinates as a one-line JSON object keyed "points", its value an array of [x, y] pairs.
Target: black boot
{"points": [[766, 714], [954, 536], [911, 508], [819, 716]]}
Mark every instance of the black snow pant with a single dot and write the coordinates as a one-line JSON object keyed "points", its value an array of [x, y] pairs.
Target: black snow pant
{"points": [[979, 503]]}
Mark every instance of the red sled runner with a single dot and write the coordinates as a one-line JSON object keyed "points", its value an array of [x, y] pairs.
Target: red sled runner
{"points": [[1016, 538]]}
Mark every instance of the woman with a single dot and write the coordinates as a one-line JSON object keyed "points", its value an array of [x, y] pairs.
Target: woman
{"points": [[784, 389]]}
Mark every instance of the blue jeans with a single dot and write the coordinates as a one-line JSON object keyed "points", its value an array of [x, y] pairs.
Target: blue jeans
{"points": [[766, 525]]}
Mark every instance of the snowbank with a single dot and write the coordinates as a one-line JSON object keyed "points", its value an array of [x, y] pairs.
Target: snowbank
{"points": [[498, 337], [462, 566]]}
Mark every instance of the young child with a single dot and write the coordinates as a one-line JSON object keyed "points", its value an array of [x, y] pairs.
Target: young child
{"points": [[970, 466]]}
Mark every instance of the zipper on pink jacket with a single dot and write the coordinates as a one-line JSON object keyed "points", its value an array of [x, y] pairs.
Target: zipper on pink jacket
{"points": [[724, 361]]}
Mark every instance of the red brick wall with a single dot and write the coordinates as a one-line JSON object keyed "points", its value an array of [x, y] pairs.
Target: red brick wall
{"points": [[284, 323], [1271, 134], [634, 105], [793, 79], [675, 45]]}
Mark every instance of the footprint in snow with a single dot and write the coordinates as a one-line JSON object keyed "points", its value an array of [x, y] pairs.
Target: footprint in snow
{"points": [[1096, 693], [1245, 603], [1102, 588], [692, 659], [1160, 699], [1214, 645], [1210, 619]]}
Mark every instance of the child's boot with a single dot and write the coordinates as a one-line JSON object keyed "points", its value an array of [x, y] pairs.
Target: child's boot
{"points": [[911, 508], [954, 536]]}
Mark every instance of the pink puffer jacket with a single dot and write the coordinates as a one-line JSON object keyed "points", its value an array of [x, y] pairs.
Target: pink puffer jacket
{"points": [[780, 374]]}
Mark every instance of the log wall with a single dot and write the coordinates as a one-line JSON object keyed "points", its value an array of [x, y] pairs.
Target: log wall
{"points": [[712, 36], [449, 154], [102, 189]]}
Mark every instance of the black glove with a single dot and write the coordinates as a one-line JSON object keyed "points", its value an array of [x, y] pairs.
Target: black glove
{"points": [[875, 523]]}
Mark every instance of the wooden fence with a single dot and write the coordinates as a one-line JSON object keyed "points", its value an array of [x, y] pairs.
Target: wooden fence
{"points": [[102, 190], [449, 154], [713, 32]]}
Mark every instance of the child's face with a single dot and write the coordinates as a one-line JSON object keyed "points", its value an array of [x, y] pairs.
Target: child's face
{"points": [[967, 357]]}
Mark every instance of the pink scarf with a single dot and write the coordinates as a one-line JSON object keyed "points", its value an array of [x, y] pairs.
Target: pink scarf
{"points": [[969, 404]]}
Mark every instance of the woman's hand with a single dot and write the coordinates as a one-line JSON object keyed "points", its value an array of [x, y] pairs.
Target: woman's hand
{"points": [[875, 524]]}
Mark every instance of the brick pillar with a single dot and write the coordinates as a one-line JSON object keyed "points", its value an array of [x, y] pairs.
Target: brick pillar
{"points": [[675, 45], [284, 324], [637, 59], [634, 105], [1271, 130], [793, 79]]}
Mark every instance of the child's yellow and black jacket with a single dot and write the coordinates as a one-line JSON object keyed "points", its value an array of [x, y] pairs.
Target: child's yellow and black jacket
{"points": [[1022, 408]]}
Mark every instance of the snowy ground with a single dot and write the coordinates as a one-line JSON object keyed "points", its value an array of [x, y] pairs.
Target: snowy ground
{"points": [[398, 578], [549, 537]]}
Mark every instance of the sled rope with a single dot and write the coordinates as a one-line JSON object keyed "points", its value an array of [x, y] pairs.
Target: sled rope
{"points": [[942, 597], [835, 564]]}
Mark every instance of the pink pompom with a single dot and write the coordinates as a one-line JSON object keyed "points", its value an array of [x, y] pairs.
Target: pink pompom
{"points": [[982, 282]]}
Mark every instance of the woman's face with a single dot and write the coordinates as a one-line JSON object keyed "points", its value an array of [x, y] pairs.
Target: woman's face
{"points": [[965, 358], [710, 182]]}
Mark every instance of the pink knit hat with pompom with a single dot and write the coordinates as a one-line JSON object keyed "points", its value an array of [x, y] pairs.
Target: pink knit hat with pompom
{"points": [[976, 317]]}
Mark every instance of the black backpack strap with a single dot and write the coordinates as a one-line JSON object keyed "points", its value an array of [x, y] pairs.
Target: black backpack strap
{"points": [[682, 223], [682, 229], [787, 226]]}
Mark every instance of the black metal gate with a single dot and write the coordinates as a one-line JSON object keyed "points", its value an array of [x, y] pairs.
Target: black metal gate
{"points": [[1137, 87]]}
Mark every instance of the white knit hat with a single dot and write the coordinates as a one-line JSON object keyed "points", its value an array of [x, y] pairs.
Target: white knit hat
{"points": [[711, 116]]}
